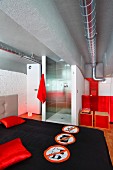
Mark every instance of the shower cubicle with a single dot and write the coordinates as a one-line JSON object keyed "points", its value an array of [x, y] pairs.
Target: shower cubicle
{"points": [[58, 90]]}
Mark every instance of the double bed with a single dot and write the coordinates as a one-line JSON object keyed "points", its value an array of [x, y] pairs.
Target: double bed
{"points": [[88, 152]]}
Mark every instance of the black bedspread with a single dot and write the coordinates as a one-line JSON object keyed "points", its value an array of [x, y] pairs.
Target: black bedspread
{"points": [[89, 152]]}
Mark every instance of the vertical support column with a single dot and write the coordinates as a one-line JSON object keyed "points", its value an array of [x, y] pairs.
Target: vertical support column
{"points": [[44, 72], [73, 96]]}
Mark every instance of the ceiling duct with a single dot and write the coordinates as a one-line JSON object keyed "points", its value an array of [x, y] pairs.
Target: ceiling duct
{"points": [[13, 50], [89, 18]]}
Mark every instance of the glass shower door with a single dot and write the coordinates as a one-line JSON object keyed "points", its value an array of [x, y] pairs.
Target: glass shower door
{"points": [[64, 88], [58, 84]]}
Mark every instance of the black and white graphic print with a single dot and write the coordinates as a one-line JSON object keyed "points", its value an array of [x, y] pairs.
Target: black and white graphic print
{"points": [[65, 139], [57, 154], [70, 129]]}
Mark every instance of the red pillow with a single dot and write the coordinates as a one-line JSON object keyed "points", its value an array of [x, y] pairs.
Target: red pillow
{"points": [[12, 152], [12, 121]]}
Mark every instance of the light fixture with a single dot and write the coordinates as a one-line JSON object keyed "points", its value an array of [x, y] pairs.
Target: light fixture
{"points": [[67, 65], [61, 59]]}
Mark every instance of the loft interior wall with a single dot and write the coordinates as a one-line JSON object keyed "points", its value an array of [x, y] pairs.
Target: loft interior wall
{"points": [[77, 90], [13, 79], [14, 83], [106, 93], [9, 65], [80, 90], [87, 87], [33, 81], [12, 62], [106, 88]]}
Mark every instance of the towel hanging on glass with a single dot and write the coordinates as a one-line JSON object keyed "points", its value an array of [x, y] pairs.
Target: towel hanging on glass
{"points": [[42, 90]]}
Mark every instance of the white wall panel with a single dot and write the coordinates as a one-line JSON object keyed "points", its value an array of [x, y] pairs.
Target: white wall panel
{"points": [[33, 81], [111, 87], [14, 83], [78, 89], [73, 95], [44, 72], [105, 88], [86, 87]]}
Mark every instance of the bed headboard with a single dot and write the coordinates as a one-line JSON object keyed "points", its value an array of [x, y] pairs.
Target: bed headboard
{"points": [[8, 105]]}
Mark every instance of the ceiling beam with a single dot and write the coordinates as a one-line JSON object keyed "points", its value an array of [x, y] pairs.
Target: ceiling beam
{"points": [[10, 49]]}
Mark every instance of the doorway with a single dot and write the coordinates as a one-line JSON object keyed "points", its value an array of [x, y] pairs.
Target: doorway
{"points": [[58, 87]]}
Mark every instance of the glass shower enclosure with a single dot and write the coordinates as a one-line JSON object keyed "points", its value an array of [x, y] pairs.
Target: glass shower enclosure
{"points": [[58, 87]]}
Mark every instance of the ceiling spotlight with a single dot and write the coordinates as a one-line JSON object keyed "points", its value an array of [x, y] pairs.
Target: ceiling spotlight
{"points": [[67, 65], [61, 59]]}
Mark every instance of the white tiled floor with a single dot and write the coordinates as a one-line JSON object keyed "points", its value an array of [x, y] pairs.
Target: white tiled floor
{"points": [[60, 118]]}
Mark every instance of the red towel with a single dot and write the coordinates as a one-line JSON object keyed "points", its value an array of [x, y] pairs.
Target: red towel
{"points": [[42, 90]]}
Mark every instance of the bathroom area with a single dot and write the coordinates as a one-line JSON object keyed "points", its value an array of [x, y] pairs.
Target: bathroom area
{"points": [[58, 91]]}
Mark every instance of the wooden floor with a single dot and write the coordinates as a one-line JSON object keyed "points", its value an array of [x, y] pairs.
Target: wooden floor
{"points": [[109, 139], [107, 133], [34, 116]]}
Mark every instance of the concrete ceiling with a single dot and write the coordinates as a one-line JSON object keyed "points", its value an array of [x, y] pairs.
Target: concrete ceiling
{"points": [[14, 35], [55, 28]]}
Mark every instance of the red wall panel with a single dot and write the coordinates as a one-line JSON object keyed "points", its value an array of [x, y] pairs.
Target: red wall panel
{"points": [[93, 87], [85, 101], [94, 103], [111, 108], [90, 102]]}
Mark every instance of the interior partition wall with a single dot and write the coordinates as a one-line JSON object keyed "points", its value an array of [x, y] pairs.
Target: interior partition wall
{"points": [[33, 80], [58, 87]]}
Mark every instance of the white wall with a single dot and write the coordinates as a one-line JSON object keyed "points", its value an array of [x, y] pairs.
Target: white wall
{"points": [[14, 83], [33, 80], [106, 88], [86, 87], [78, 89], [44, 72]]}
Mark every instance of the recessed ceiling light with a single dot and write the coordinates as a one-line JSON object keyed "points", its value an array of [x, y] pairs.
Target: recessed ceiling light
{"points": [[67, 65], [61, 59]]}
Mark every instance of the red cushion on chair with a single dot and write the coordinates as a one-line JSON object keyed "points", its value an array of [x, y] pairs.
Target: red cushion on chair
{"points": [[12, 121], [12, 152]]}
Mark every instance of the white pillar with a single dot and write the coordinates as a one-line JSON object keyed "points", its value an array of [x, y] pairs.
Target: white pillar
{"points": [[44, 72], [73, 96]]}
